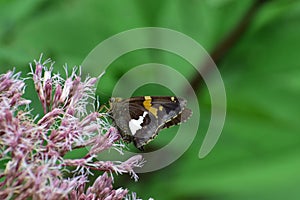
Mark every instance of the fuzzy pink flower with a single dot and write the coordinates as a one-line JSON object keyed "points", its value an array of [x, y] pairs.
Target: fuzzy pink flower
{"points": [[34, 148]]}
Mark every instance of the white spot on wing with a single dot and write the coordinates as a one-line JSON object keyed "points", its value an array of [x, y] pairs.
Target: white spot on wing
{"points": [[135, 124]]}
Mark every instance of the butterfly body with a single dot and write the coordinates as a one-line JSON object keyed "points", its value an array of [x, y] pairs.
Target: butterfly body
{"points": [[139, 119]]}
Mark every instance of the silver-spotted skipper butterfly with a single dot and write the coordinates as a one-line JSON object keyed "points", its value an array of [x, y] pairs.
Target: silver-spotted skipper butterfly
{"points": [[139, 119]]}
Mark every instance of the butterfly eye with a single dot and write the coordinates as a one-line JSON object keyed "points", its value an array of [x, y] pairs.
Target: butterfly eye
{"points": [[115, 100], [112, 100]]}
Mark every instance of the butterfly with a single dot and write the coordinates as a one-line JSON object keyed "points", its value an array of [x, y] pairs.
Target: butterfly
{"points": [[139, 119]]}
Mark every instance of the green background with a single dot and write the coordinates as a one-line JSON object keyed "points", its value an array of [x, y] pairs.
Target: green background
{"points": [[258, 154]]}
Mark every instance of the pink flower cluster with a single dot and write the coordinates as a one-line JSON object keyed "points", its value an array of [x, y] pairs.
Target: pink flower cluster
{"points": [[33, 148]]}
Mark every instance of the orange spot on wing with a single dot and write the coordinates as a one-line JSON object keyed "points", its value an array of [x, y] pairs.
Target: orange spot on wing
{"points": [[147, 104]]}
